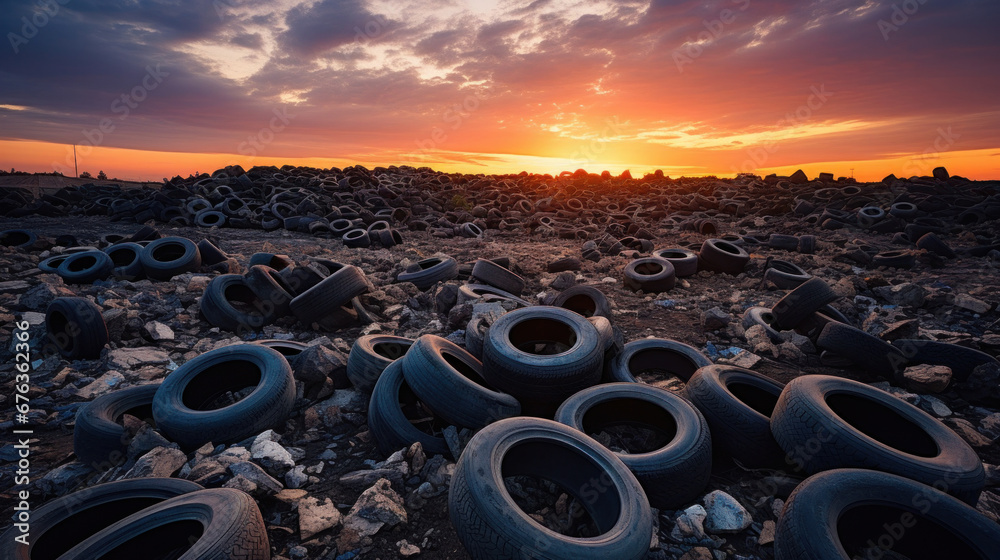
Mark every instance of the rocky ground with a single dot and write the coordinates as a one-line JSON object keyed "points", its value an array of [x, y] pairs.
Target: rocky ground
{"points": [[317, 488]]}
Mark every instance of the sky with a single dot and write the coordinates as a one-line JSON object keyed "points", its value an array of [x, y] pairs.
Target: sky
{"points": [[154, 88]]}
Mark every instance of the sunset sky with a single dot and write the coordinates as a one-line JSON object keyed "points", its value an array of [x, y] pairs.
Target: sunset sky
{"points": [[689, 87]]}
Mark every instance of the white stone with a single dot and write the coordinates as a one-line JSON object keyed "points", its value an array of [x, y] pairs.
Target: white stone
{"points": [[725, 514]]}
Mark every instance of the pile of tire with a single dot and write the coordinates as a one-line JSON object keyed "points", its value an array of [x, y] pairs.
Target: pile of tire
{"points": [[322, 292], [130, 518], [222, 396]]}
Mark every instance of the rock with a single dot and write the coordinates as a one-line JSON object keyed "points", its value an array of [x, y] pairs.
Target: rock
{"points": [[451, 438], [900, 330], [242, 484], [744, 359], [698, 553], [132, 358], [406, 549], [992, 475], [563, 281], [145, 440], [990, 425], [116, 319], [318, 363], [445, 298], [103, 384], [13, 286], [715, 319], [798, 177], [160, 462], [927, 378], [766, 533], [906, 295], [968, 432], [253, 473], [42, 295], [941, 174], [316, 517], [297, 477], [270, 454], [562, 265], [690, 524], [725, 514], [63, 478], [969, 303], [158, 331], [989, 505], [376, 507], [935, 406]]}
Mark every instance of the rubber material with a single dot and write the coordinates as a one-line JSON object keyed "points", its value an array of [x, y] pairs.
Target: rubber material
{"points": [[650, 274], [431, 272], [169, 256], [585, 300], [801, 302], [99, 440], [86, 267], [660, 355], [684, 260], [390, 427], [370, 355], [76, 327], [497, 276]]}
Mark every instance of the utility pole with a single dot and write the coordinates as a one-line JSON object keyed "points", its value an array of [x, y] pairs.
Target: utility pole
{"points": [[76, 167]]}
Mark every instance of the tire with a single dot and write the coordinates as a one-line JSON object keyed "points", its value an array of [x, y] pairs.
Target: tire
{"points": [[472, 292], [904, 210], [213, 524], [932, 243], [867, 513], [210, 218], [18, 238], [181, 406], [547, 378], [488, 272], [357, 238], [807, 244], [737, 405], [330, 295], [960, 359], [868, 352], [869, 216], [673, 474], [62, 523], [389, 425], [145, 233], [86, 267], [895, 259], [450, 381], [76, 327], [210, 254], [370, 355], [270, 287], [300, 278], [277, 262], [475, 335], [51, 264], [99, 441], [801, 302], [169, 256], [125, 257], [431, 272], [651, 275], [721, 256], [785, 275], [290, 349], [764, 317], [685, 261], [585, 300], [656, 354], [217, 304], [491, 525], [785, 242], [826, 422]]}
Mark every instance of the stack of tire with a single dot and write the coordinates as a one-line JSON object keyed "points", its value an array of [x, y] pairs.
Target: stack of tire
{"points": [[320, 293], [159, 259], [222, 396]]}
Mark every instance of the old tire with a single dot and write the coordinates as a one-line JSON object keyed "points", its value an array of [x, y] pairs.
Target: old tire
{"points": [[542, 353], [76, 327], [868, 352], [272, 290], [86, 267], [718, 255], [825, 422], [801, 302], [962, 361], [867, 513], [737, 404], [186, 405], [169, 256], [650, 274], [658, 355], [585, 300], [370, 355], [230, 304], [672, 474], [330, 295], [489, 272], [450, 381], [431, 272], [99, 441], [125, 257], [491, 525], [212, 524], [785, 275], [390, 427], [685, 261]]}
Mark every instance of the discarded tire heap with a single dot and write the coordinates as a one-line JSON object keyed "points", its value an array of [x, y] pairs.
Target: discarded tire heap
{"points": [[568, 438]]}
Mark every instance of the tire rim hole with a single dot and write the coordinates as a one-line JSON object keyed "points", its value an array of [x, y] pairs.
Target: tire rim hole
{"points": [[882, 424], [123, 257], [390, 350], [222, 385], [419, 414], [727, 247], [168, 252], [165, 542], [463, 368], [242, 299], [649, 269], [863, 532], [658, 364], [14, 239], [755, 397], [630, 426], [582, 304], [82, 263], [86, 521], [543, 337]]}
